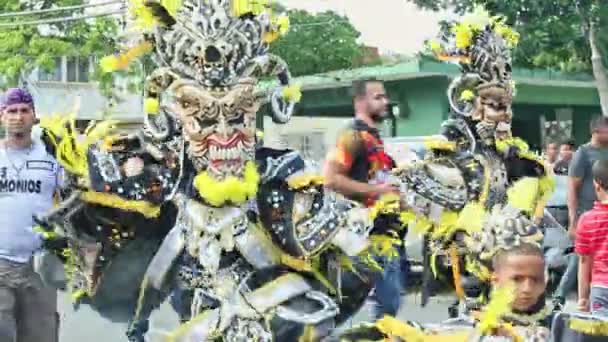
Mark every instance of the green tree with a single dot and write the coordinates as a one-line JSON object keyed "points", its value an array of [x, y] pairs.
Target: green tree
{"points": [[567, 35], [26, 47], [318, 43]]}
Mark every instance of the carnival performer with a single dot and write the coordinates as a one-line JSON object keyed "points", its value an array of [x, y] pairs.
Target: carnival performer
{"points": [[250, 231], [358, 168], [29, 178], [478, 180]]}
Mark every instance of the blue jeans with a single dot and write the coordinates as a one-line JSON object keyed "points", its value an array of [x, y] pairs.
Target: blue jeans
{"points": [[598, 301], [388, 285], [568, 282]]}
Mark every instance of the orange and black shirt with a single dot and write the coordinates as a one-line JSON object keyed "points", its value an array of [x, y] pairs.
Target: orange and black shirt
{"points": [[360, 151]]}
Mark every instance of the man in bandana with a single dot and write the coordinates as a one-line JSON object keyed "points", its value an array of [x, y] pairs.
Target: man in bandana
{"points": [[29, 177]]}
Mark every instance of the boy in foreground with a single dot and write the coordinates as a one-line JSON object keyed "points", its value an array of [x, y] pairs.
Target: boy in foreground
{"points": [[592, 247], [521, 267]]}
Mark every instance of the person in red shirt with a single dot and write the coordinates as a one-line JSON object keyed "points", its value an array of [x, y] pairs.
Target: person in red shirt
{"points": [[592, 247]]}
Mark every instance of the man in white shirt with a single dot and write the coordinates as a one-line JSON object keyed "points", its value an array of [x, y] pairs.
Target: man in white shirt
{"points": [[29, 177]]}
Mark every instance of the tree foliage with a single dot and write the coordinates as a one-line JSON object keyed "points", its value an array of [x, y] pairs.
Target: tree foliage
{"points": [[27, 47], [318, 43], [567, 35], [553, 31]]}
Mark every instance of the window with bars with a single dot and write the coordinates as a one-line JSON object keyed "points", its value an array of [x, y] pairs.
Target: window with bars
{"points": [[51, 76], [76, 69]]}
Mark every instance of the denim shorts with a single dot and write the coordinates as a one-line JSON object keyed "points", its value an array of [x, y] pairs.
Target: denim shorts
{"points": [[599, 301]]}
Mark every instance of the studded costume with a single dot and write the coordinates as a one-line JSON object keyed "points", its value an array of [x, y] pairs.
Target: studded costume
{"points": [[192, 203]]}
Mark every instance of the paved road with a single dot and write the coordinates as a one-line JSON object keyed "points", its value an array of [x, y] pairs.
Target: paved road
{"points": [[86, 325]]}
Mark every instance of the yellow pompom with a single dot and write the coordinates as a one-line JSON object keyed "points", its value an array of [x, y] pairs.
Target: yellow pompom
{"points": [[467, 95], [231, 189], [151, 106], [292, 93]]}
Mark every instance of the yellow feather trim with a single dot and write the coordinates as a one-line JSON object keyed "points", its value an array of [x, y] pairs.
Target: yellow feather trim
{"points": [[499, 305], [143, 17], [231, 189], [241, 7], [386, 204], [304, 180], [442, 145], [384, 245], [71, 148], [303, 265], [172, 6], [524, 194], [589, 327], [546, 187], [392, 327], [114, 201], [477, 269], [471, 218], [446, 226]]}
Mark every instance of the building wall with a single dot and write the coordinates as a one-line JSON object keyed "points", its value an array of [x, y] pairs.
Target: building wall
{"points": [[66, 97], [423, 106]]}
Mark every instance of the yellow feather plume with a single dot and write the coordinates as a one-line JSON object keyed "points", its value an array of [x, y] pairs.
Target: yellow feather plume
{"points": [[524, 194], [240, 7], [471, 217], [71, 147], [114, 201], [143, 16], [172, 6], [499, 305], [121, 62], [292, 93]]}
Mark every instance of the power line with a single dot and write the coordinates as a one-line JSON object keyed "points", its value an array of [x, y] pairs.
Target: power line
{"points": [[61, 20], [58, 9]]}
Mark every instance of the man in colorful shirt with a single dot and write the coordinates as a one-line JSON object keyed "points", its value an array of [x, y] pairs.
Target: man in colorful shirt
{"points": [[358, 169]]}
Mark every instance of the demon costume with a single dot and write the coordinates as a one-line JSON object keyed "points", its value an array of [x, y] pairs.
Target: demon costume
{"points": [[478, 190], [190, 202]]}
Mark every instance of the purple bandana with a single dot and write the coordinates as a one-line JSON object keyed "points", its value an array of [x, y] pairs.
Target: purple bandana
{"points": [[14, 96]]}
